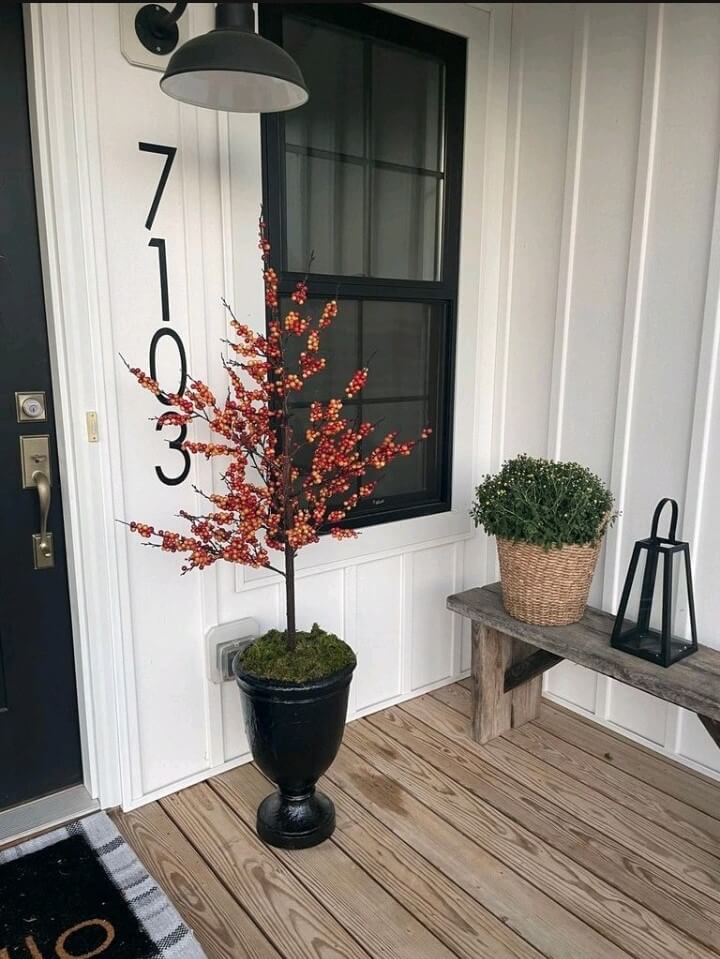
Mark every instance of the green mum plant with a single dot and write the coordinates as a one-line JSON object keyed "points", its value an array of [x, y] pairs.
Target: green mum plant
{"points": [[544, 502]]}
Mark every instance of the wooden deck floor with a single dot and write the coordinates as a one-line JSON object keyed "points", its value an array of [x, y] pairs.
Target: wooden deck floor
{"points": [[559, 839]]}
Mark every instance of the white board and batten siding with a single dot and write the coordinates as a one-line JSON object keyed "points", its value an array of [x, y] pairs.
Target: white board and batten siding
{"points": [[588, 329], [385, 592], [609, 322]]}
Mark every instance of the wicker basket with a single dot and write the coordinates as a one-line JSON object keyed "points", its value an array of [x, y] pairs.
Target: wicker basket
{"points": [[547, 587]]}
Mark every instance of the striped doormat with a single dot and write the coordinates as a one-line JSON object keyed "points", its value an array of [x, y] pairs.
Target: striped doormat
{"points": [[81, 891]]}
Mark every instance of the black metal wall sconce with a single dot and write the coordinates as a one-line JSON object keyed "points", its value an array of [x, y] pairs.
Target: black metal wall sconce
{"points": [[230, 68], [637, 636]]}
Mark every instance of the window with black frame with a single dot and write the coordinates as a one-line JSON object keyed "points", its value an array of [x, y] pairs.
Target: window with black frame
{"points": [[362, 193]]}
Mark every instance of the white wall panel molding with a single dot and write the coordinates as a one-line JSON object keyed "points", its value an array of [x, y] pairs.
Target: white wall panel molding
{"points": [[457, 625], [82, 64], [509, 236], [699, 497], [569, 229], [684, 734], [488, 343], [634, 296], [255, 578], [614, 569], [373, 541], [201, 207]]}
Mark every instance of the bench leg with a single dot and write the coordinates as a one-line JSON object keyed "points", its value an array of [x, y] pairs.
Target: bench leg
{"points": [[494, 710]]}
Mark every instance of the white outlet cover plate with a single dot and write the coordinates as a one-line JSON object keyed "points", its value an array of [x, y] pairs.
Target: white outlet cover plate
{"points": [[236, 630], [133, 51]]}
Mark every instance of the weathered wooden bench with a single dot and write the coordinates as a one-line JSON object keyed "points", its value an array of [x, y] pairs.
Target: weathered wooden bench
{"points": [[509, 658]]}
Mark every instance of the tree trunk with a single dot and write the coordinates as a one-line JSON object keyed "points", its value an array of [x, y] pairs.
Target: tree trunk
{"points": [[290, 594]]}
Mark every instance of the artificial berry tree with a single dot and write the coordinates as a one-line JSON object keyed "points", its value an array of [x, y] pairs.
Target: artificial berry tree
{"points": [[270, 501]]}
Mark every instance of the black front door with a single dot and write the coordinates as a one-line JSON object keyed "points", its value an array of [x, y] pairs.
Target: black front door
{"points": [[39, 737]]}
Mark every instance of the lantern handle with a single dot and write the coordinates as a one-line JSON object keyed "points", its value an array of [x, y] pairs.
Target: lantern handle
{"points": [[673, 519]]}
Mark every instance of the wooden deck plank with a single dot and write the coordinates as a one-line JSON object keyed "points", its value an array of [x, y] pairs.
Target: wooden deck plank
{"points": [[692, 682], [691, 864], [293, 919], [662, 772], [594, 901], [458, 696], [442, 735], [665, 811], [666, 776], [455, 917], [346, 890], [223, 929], [534, 916]]}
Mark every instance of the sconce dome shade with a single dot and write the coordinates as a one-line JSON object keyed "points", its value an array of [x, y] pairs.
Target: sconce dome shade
{"points": [[234, 70]]}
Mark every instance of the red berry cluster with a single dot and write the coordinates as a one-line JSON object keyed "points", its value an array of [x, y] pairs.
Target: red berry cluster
{"points": [[294, 323], [142, 529], [271, 287], [311, 364], [357, 382], [328, 314], [147, 382], [300, 293]]}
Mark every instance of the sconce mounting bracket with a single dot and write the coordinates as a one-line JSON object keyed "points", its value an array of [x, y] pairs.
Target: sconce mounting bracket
{"points": [[138, 20]]}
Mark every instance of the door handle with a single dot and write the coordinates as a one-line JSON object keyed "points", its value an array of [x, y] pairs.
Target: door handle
{"points": [[35, 464], [44, 543]]}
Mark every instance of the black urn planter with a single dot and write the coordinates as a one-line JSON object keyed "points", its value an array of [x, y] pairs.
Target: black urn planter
{"points": [[295, 731]]}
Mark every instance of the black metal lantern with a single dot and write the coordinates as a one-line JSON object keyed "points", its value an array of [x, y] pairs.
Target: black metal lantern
{"points": [[637, 636]]}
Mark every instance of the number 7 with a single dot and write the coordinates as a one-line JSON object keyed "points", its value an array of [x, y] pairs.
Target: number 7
{"points": [[169, 154]]}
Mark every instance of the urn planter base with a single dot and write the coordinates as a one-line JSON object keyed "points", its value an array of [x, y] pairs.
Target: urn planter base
{"points": [[294, 731], [295, 822]]}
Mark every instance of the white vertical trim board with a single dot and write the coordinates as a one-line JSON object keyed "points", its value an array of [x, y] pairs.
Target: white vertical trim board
{"points": [[76, 298], [613, 564], [509, 238], [635, 292], [569, 229]]}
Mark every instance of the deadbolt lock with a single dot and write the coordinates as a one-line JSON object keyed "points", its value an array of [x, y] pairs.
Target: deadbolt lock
{"points": [[31, 407]]}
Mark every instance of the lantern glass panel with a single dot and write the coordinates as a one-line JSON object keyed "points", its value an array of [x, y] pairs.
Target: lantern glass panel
{"points": [[656, 617]]}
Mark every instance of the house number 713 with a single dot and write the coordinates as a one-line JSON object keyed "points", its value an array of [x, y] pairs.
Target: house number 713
{"points": [[166, 332]]}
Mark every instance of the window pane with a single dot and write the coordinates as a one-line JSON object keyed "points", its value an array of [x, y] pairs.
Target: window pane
{"points": [[339, 344], [332, 64], [398, 343], [403, 345], [406, 108], [325, 200], [405, 215], [414, 474], [364, 157]]}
